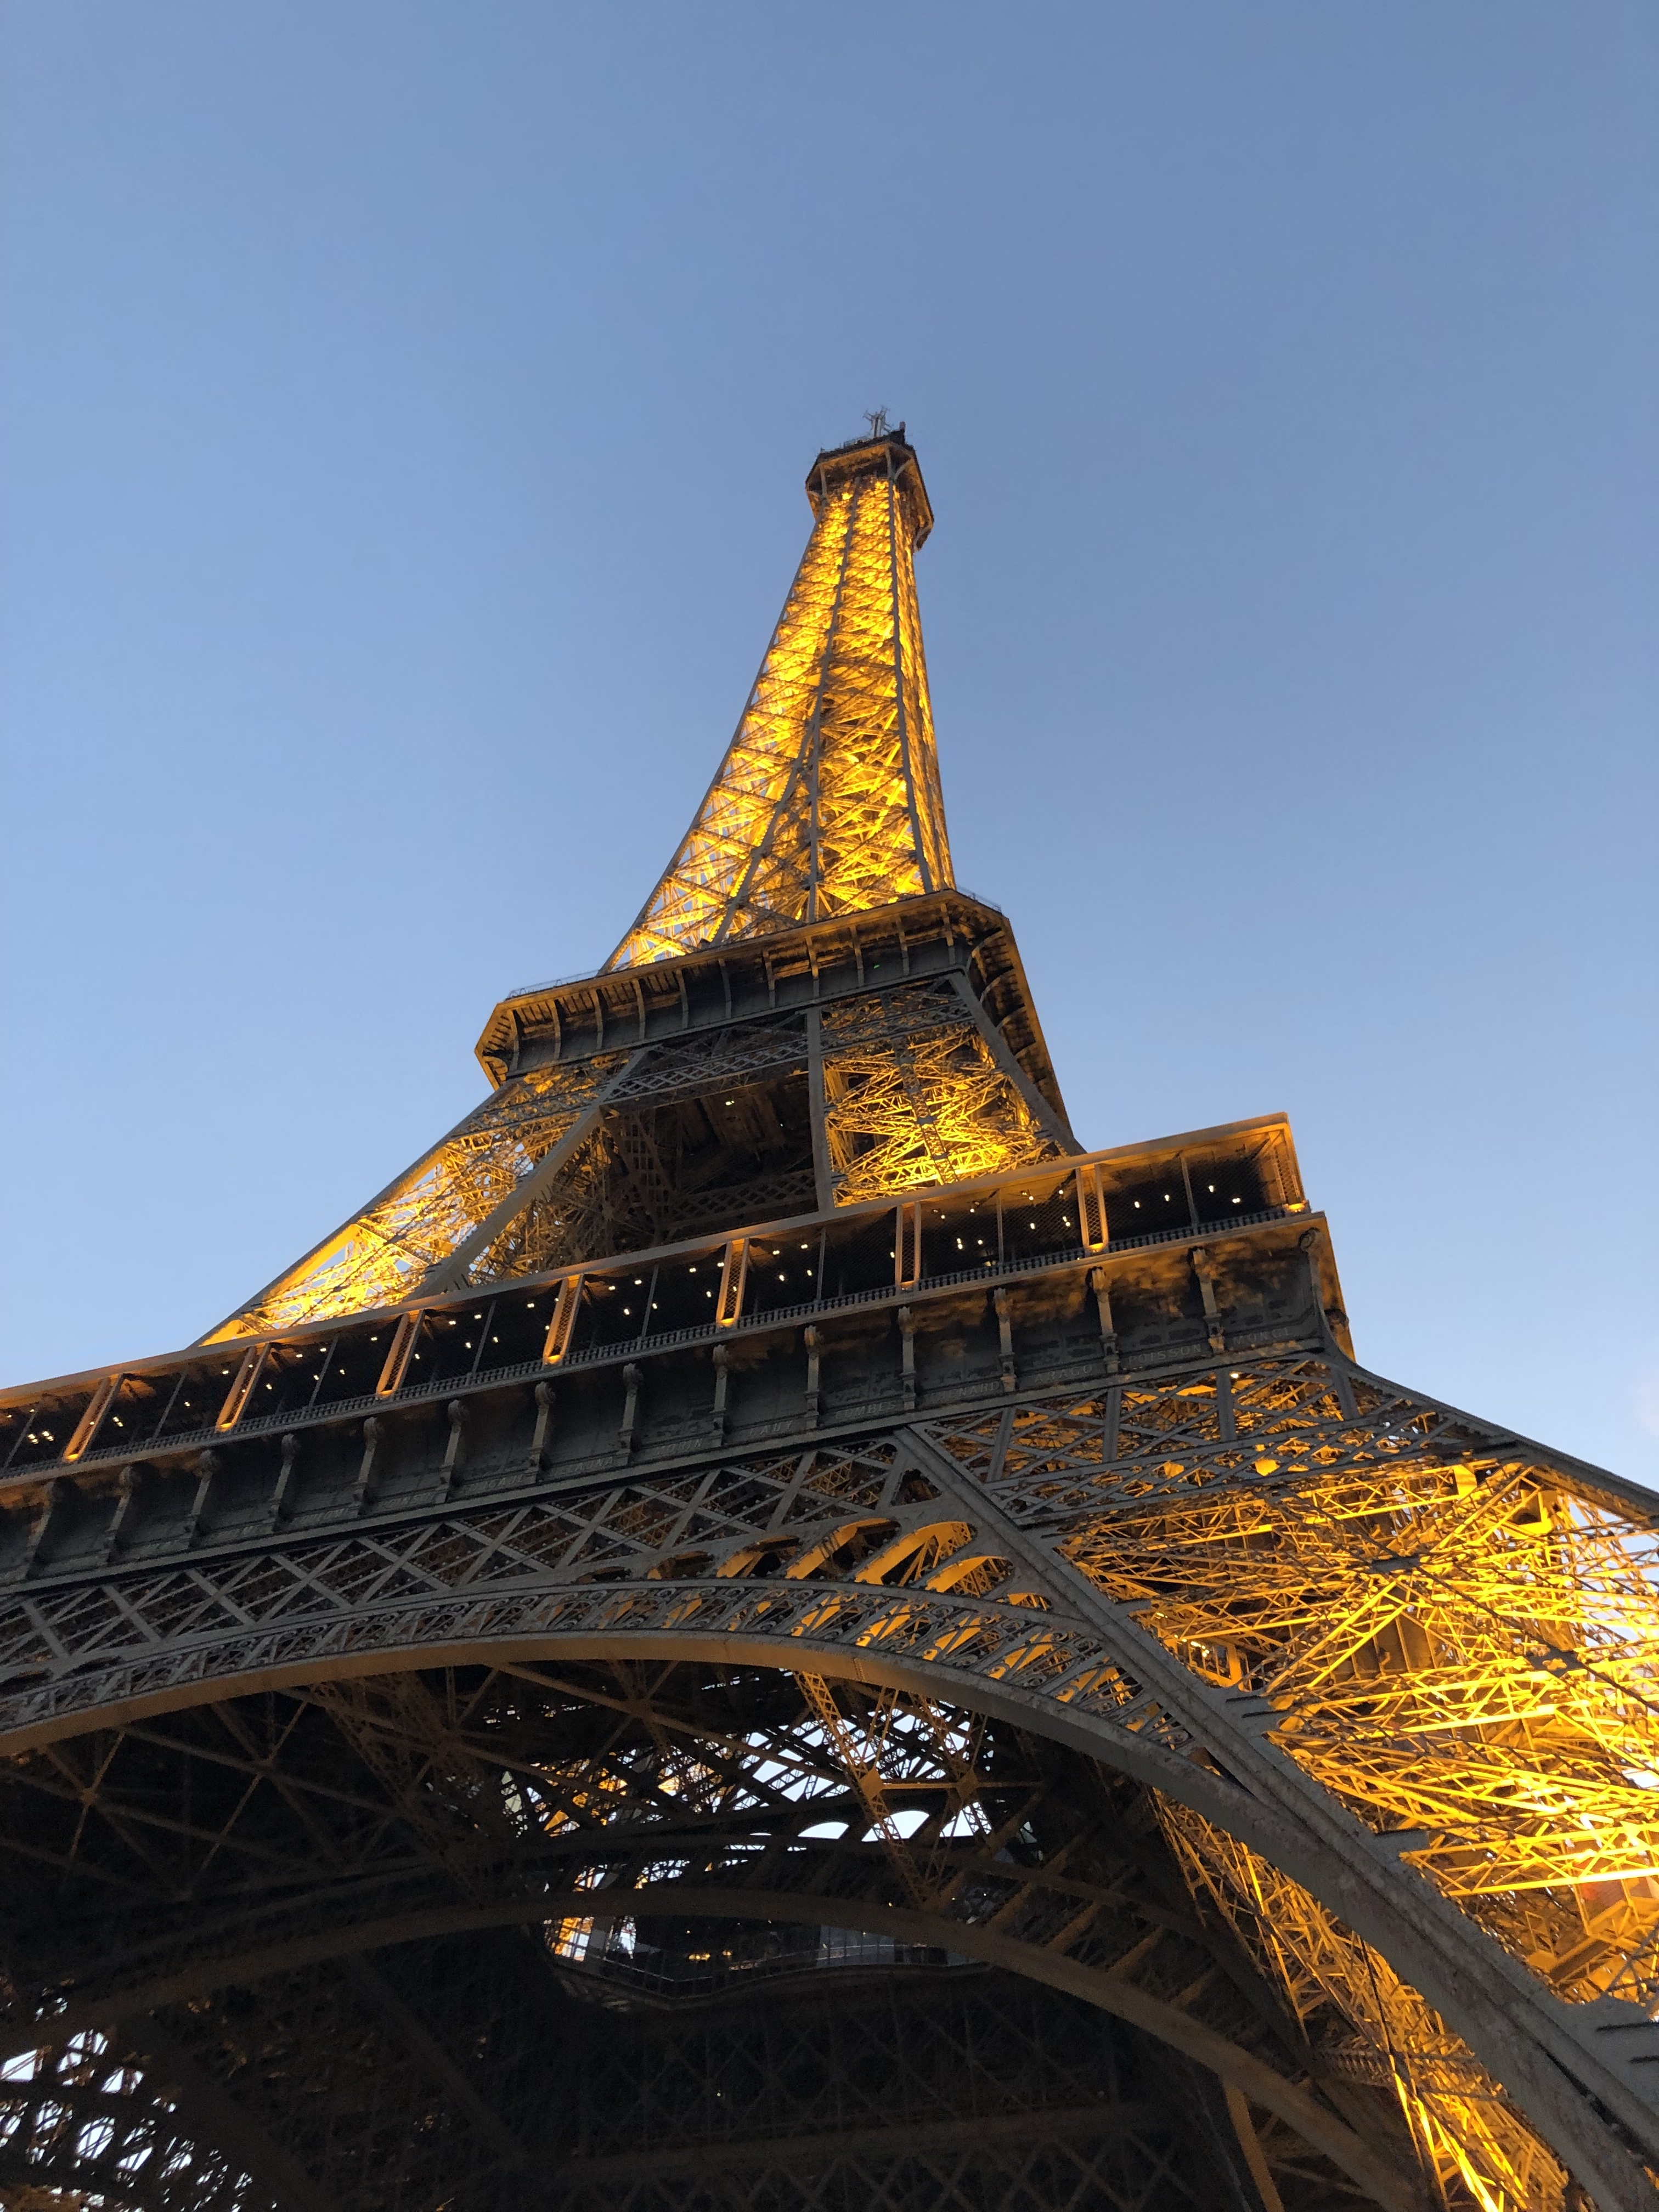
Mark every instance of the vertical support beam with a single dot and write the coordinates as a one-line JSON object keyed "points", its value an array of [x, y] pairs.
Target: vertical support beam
{"points": [[1098, 1283], [42, 1528], [734, 1273], [632, 1378], [27, 1423], [722, 1380], [1004, 1339], [1203, 1268], [1226, 1423], [328, 1360], [450, 1472], [281, 1506], [1329, 1318], [115, 1535], [1309, 1243], [907, 1244], [907, 1321], [648, 1307], [399, 1352], [814, 1347], [543, 1427], [247, 1376], [195, 1524], [822, 1173], [1091, 1209], [566, 1302], [364, 1492], [87, 1428]]}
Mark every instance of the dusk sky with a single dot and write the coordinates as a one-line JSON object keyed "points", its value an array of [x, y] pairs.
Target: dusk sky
{"points": [[404, 412]]}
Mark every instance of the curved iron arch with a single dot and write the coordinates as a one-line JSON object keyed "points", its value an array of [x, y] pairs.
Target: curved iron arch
{"points": [[1076, 1665]]}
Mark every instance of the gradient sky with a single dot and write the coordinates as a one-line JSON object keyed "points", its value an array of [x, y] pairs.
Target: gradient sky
{"points": [[403, 410]]}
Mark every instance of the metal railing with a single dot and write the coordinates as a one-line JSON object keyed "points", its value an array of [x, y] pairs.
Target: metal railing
{"points": [[737, 945], [990, 1274]]}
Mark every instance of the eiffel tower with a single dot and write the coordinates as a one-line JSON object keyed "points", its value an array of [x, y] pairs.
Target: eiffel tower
{"points": [[762, 1629]]}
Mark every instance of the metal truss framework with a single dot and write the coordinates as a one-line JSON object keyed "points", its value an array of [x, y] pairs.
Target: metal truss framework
{"points": [[1102, 1569], [916, 1094], [481, 1816], [828, 800], [761, 1585], [384, 1253], [629, 1151], [899, 2078]]}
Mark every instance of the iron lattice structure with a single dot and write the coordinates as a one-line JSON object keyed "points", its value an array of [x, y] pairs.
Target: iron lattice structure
{"points": [[762, 1629], [827, 801]]}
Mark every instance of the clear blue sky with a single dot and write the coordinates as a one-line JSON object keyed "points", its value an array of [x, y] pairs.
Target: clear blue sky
{"points": [[403, 414]]}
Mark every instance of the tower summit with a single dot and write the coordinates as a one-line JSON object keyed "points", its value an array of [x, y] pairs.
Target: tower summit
{"points": [[828, 800], [763, 1626]]}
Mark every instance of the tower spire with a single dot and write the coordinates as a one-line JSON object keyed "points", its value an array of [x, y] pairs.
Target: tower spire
{"points": [[828, 800]]}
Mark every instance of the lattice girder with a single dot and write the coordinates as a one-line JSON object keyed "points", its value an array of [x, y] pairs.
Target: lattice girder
{"points": [[435, 1209], [539, 1795], [916, 1094], [758, 1474], [1142, 1576], [828, 800], [881, 1089]]}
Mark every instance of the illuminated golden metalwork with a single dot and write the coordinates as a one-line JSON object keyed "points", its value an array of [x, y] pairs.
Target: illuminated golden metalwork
{"points": [[1468, 1656], [913, 1096], [828, 800], [384, 1253], [1467, 2133], [827, 805]]}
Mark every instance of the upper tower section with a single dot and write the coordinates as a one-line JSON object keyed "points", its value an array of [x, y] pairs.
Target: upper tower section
{"points": [[828, 800]]}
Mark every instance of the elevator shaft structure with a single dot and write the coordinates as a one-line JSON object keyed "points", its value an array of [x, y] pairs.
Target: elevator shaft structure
{"points": [[764, 1627]]}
